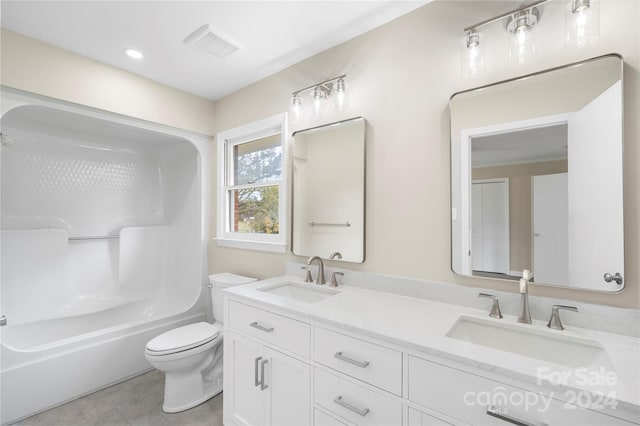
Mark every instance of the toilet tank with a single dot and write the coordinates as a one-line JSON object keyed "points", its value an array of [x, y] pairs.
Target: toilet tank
{"points": [[219, 282]]}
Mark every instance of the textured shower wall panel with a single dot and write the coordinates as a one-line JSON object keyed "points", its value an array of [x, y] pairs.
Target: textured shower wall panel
{"points": [[87, 190], [55, 187], [35, 274]]}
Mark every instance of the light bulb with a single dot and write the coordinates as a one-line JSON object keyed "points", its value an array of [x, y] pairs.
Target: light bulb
{"points": [[341, 95], [472, 54], [296, 107], [521, 30], [582, 23], [318, 96]]}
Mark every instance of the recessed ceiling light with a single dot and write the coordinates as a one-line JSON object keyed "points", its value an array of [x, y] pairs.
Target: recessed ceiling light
{"points": [[133, 53]]}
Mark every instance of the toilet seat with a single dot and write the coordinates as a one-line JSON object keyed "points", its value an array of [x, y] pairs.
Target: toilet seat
{"points": [[182, 339]]}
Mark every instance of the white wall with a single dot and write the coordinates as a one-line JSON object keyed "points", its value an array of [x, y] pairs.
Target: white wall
{"points": [[41, 68], [400, 78]]}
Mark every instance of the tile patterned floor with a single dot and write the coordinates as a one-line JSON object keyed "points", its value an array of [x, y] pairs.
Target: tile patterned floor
{"points": [[136, 402]]}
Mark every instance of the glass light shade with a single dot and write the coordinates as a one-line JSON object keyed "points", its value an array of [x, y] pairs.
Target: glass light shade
{"points": [[472, 54], [317, 97], [340, 96], [521, 34], [296, 108], [582, 23]]}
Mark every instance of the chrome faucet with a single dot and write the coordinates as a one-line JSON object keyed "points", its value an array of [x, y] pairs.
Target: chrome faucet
{"points": [[524, 316], [320, 279], [335, 255]]}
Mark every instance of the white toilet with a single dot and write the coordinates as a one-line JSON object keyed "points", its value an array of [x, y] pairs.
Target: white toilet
{"points": [[191, 355]]}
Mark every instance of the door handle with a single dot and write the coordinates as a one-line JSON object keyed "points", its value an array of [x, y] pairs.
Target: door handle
{"points": [[615, 277], [263, 386]]}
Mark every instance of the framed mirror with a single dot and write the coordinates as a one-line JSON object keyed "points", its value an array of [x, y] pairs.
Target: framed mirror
{"points": [[328, 164], [536, 175]]}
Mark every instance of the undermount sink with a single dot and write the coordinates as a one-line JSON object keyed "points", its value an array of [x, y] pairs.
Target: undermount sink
{"points": [[565, 350], [301, 292]]}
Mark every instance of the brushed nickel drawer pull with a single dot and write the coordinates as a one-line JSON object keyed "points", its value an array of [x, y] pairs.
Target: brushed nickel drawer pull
{"points": [[360, 411], [361, 364], [261, 327], [491, 410]]}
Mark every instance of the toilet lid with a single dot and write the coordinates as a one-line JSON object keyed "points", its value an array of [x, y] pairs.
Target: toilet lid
{"points": [[183, 338]]}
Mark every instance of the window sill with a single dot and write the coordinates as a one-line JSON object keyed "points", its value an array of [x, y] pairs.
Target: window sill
{"points": [[252, 245]]}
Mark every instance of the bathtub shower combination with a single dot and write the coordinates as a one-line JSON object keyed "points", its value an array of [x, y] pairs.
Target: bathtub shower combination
{"points": [[103, 247]]}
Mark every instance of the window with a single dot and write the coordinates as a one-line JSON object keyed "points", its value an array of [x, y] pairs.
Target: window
{"points": [[251, 186]]}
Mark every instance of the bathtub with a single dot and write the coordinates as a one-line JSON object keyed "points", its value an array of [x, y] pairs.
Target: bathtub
{"points": [[103, 246]]}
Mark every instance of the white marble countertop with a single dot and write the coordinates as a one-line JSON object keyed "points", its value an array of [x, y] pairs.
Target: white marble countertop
{"points": [[421, 325]]}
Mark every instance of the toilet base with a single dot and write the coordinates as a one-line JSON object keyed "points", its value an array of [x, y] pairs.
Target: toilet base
{"points": [[205, 398], [191, 377]]}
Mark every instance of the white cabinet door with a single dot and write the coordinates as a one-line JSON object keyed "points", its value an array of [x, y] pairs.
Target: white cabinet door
{"points": [[289, 390], [244, 401], [264, 387]]}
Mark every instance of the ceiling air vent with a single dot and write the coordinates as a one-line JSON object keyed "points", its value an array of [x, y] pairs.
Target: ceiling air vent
{"points": [[211, 42]]}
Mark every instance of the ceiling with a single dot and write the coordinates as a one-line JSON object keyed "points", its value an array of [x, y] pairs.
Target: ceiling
{"points": [[275, 34], [521, 146]]}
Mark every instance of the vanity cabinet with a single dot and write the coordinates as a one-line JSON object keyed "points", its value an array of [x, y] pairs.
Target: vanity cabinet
{"points": [[264, 386], [284, 369], [478, 400]]}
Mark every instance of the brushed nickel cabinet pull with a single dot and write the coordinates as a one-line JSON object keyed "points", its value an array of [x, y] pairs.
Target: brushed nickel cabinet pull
{"points": [[261, 327], [255, 369], [494, 413], [361, 364], [360, 411], [263, 386]]}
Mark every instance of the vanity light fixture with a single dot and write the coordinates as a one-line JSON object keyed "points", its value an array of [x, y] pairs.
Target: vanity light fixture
{"points": [[520, 29], [319, 93], [581, 22]]}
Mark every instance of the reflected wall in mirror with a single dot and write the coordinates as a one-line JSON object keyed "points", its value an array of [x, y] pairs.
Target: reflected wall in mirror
{"points": [[328, 191], [536, 175]]}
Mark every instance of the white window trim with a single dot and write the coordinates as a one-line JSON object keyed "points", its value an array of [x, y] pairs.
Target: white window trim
{"points": [[256, 130]]}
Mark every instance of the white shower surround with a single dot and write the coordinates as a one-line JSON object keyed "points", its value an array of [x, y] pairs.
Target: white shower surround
{"points": [[81, 311]]}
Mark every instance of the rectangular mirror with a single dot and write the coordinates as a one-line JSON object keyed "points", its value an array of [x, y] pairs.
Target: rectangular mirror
{"points": [[328, 165], [536, 175]]}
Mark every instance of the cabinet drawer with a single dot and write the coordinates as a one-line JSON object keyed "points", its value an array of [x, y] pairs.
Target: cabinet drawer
{"points": [[377, 365], [417, 418], [275, 329], [467, 397], [322, 419], [355, 403]]}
